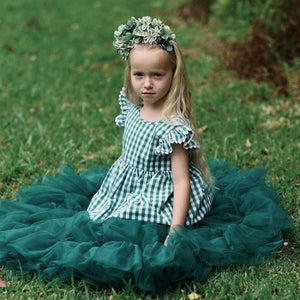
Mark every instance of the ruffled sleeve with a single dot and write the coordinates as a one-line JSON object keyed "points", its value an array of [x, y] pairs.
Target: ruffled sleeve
{"points": [[178, 134], [125, 106]]}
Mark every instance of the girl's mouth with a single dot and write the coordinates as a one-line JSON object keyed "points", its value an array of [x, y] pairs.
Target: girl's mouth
{"points": [[148, 94]]}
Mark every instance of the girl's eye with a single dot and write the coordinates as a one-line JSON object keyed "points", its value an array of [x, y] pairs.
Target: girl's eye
{"points": [[158, 75], [138, 74]]}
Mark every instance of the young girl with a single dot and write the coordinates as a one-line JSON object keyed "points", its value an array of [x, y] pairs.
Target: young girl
{"points": [[155, 179], [158, 217]]}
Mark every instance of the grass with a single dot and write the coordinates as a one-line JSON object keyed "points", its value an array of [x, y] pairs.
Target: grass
{"points": [[59, 77]]}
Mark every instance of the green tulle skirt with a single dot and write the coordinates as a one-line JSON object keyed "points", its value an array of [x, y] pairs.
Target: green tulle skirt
{"points": [[49, 231]]}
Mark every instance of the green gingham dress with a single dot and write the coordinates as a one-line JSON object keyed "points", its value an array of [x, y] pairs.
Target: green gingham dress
{"points": [[139, 185]]}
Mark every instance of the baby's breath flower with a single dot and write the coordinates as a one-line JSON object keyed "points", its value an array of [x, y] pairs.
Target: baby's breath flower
{"points": [[142, 31]]}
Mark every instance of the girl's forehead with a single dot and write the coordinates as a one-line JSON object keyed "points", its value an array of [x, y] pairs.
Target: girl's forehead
{"points": [[149, 56], [146, 49]]}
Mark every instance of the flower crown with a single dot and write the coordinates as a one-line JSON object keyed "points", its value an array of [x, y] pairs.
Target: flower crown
{"points": [[142, 31]]}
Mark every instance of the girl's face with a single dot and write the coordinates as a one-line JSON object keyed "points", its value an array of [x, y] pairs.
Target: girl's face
{"points": [[151, 74]]}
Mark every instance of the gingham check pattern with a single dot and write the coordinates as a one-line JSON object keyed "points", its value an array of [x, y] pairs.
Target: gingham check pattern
{"points": [[139, 184]]}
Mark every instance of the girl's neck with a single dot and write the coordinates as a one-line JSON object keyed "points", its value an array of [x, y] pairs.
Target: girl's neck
{"points": [[151, 114]]}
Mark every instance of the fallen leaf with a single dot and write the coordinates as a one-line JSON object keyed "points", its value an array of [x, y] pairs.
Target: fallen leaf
{"points": [[248, 144], [282, 120], [3, 284], [193, 296], [65, 105], [88, 53], [100, 67], [88, 157], [8, 48], [202, 129], [268, 109], [38, 104]]}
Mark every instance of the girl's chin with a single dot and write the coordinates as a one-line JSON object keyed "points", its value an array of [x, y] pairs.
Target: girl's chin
{"points": [[147, 95]]}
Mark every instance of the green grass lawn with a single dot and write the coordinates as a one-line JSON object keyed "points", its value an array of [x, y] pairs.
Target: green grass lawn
{"points": [[59, 82]]}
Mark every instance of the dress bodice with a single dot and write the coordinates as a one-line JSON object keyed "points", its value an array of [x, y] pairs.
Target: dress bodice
{"points": [[139, 185]]}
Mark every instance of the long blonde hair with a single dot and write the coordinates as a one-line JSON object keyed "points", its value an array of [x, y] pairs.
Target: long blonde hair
{"points": [[178, 102]]}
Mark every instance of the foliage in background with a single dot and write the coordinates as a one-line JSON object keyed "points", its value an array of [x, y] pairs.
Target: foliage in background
{"points": [[262, 35], [197, 10]]}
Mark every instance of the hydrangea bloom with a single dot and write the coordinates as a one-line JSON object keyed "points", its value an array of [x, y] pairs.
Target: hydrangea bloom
{"points": [[142, 31]]}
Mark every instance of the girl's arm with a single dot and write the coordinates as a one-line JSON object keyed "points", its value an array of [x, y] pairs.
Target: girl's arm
{"points": [[181, 182]]}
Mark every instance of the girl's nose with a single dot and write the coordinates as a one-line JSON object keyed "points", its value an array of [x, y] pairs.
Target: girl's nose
{"points": [[148, 83]]}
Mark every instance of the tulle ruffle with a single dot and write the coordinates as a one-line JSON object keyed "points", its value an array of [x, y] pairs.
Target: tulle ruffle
{"points": [[49, 231]]}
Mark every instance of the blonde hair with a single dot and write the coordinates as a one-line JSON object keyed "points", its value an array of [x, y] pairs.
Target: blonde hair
{"points": [[178, 102]]}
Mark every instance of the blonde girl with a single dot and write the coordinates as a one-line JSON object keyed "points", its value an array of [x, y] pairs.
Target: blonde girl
{"points": [[157, 112]]}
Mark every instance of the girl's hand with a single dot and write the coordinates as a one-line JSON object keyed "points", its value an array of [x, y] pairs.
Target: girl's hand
{"points": [[166, 241]]}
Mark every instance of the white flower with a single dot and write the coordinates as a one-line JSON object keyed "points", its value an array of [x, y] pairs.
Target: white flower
{"points": [[142, 30]]}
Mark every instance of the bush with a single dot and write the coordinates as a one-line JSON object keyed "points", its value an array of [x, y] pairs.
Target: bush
{"points": [[262, 35], [271, 40], [197, 10]]}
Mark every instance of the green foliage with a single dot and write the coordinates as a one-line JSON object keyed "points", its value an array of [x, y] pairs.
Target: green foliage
{"points": [[238, 16], [59, 81], [262, 36], [276, 21]]}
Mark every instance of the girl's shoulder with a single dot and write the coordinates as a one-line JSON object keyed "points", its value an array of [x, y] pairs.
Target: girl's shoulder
{"points": [[176, 131]]}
